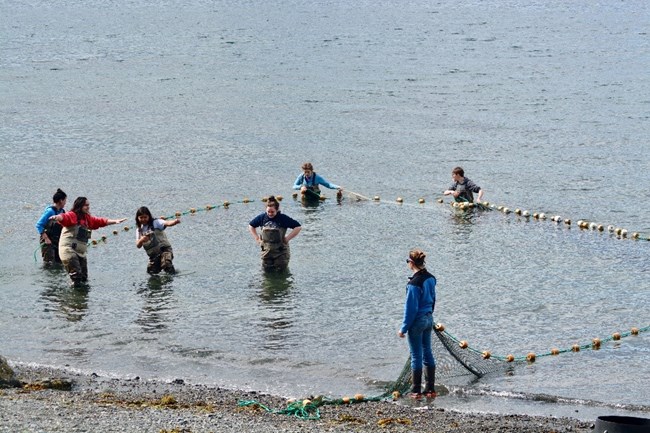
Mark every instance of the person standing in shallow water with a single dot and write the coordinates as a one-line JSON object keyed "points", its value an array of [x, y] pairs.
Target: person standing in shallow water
{"points": [[274, 239], [73, 245], [417, 324], [49, 231], [150, 234], [309, 181], [463, 188]]}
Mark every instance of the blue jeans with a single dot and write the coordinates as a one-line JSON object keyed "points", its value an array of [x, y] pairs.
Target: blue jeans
{"points": [[419, 337]]}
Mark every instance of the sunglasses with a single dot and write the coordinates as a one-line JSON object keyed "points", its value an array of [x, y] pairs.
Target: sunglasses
{"points": [[409, 261]]}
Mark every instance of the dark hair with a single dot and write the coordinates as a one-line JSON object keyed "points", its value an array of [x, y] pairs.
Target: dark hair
{"points": [[308, 166], [459, 171], [59, 195], [417, 257], [78, 206], [143, 211], [272, 201]]}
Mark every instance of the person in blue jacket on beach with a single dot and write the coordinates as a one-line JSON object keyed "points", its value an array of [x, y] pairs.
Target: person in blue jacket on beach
{"points": [[418, 323], [309, 181], [49, 231]]}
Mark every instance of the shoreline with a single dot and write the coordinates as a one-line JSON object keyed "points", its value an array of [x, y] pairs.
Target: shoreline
{"points": [[100, 404]]}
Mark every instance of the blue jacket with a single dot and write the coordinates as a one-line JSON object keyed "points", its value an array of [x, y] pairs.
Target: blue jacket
{"points": [[314, 180], [420, 298], [42, 221]]}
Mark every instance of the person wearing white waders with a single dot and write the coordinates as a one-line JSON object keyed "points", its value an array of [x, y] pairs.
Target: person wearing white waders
{"points": [[418, 324], [77, 225], [150, 234], [308, 180], [463, 189], [273, 239]]}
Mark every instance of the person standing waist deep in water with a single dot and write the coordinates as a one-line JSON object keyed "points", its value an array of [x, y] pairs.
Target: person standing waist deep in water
{"points": [[150, 234], [274, 239], [77, 225], [308, 180], [463, 188], [417, 324], [49, 231]]}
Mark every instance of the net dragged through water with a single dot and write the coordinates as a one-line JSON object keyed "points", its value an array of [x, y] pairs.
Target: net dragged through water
{"points": [[452, 360]]}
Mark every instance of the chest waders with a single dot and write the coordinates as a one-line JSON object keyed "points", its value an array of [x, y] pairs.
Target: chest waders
{"points": [[50, 253], [72, 249], [160, 253], [275, 253], [311, 184], [465, 195]]}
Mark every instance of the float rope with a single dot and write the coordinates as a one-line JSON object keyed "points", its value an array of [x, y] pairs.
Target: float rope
{"points": [[620, 232], [595, 344], [308, 409]]}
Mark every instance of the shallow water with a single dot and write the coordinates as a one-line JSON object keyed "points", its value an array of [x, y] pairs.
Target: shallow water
{"points": [[176, 105]]}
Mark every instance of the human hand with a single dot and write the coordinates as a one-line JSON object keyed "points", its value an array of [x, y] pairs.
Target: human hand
{"points": [[401, 334]]}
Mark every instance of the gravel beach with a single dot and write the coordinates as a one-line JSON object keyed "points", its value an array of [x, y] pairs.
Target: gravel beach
{"points": [[99, 404]]}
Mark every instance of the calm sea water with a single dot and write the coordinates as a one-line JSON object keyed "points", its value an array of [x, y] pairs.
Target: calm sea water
{"points": [[174, 105]]}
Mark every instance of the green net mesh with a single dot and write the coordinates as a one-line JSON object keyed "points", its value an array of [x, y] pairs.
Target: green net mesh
{"points": [[451, 361]]}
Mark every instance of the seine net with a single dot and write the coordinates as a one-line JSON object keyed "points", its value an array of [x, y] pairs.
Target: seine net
{"points": [[451, 361]]}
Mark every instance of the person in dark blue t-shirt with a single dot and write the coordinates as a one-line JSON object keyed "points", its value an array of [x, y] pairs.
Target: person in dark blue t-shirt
{"points": [[273, 238]]}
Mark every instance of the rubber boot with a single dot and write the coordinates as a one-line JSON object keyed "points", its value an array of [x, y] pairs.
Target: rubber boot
{"points": [[416, 390], [429, 389]]}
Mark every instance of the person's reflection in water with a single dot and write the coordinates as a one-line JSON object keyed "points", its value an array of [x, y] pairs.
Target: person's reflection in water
{"points": [[465, 220], [310, 202], [69, 303], [274, 290], [157, 295]]}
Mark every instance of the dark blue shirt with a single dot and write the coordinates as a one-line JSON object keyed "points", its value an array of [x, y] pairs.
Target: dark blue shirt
{"points": [[280, 220]]}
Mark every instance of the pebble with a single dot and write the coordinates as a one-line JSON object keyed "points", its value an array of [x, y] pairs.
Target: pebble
{"points": [[97, 404]]}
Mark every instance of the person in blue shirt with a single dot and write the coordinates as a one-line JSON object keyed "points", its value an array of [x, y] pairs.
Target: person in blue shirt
{"points": [[418, 323], [308, 182], [49, 231], [273, 239]]}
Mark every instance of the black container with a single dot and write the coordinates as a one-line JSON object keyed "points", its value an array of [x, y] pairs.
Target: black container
{"points": [[622, 424]]}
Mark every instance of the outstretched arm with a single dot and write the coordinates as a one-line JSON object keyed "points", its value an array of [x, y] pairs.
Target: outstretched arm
{"points": [[169, 223], [451, 192], [320, 180]]}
